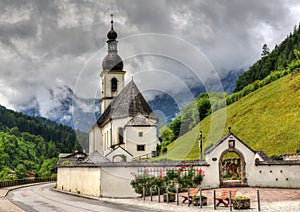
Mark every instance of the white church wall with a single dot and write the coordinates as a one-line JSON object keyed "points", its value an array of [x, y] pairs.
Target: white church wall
{"points": [[81, 180], [106, 138], [106, 86], [95, 140], [141, 136], [92, 147], [116, 124]]}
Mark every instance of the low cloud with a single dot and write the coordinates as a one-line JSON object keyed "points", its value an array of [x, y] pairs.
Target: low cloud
{"points": [[49, 44]]}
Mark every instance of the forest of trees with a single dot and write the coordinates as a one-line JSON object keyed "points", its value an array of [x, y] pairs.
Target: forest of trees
{"points": [[278, 59], [191, 114], [31, 144]]}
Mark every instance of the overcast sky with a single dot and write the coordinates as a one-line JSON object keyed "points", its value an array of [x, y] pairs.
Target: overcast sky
{"points": [[47, 44]]}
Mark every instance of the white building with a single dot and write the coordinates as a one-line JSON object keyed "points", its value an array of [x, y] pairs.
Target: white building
{"points": [[127, 126]]}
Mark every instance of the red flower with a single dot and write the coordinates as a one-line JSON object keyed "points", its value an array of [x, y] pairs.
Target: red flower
{"points": [[200, 171], [160, 174], [183, 167], [179, 171]]}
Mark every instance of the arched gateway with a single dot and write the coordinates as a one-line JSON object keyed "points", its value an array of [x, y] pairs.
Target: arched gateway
{"points": [[232, 171], [230, 159]]}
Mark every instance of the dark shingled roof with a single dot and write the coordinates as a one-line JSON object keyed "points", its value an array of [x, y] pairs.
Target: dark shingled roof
{"points": [[97, 158], [129, 102]]}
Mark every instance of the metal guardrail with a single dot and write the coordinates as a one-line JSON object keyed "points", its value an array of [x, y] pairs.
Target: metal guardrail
{"points": [[9, 183]]}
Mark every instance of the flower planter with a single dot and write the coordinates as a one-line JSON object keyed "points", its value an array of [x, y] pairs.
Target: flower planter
{"points": [[241, 203], [196, 200], [171, 197]]}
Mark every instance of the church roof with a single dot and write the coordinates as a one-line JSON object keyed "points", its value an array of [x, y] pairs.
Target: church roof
{"points": [[128, 103], [140, 120]]}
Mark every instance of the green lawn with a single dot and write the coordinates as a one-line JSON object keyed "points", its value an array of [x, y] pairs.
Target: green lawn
{"points": [[267, 119]]}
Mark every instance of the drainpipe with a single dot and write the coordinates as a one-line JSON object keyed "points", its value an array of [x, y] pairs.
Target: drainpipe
{"points": [[111, 132], [100, 182]]}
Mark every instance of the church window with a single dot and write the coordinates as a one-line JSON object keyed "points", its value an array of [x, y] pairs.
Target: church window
{"points": [[140, 147], [121, 138], [140, 134], [114, 84]]}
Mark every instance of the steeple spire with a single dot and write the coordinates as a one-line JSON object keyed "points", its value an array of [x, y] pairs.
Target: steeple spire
{"points": [[112, 21], [112, 35], [112, 61]]}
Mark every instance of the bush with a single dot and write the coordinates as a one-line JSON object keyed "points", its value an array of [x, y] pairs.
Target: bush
{"points": [[185, 177], [164, 150], [276, 157]]}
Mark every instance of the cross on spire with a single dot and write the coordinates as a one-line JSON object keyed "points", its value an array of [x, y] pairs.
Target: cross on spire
{"points": [[112, 20]]}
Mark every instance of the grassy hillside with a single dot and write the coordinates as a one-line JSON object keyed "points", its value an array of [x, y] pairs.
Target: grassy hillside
{"points": [[267, 119]]}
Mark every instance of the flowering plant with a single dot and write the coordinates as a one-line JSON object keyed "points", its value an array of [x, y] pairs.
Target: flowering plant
{"points": [[185, 177], [198, 177]]}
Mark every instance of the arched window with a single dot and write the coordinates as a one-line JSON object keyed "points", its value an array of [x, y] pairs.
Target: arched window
{"points": [[121, 139], [114, 84]]}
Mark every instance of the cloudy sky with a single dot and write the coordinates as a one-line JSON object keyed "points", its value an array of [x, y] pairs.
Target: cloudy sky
{"points": [[167, 46]]}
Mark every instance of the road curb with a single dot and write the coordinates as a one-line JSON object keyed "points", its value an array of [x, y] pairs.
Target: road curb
{"points": [[4, 191]]}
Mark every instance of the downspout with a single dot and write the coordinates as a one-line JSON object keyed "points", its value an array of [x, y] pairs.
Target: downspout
{"points": [[110, 132], [100, 182]]}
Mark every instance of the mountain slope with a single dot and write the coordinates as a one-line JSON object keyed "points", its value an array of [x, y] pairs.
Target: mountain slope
{"points": [[31, 144], [267, 119]]}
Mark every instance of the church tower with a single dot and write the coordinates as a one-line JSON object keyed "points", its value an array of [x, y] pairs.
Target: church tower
{"points": [[112, 75]]}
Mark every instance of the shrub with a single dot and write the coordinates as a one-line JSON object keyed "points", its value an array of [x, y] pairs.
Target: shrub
{"points": [[164, 150], [184, 177]]}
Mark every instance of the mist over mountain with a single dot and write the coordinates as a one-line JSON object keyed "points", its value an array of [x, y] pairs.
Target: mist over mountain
{"points": [[65, 107]]}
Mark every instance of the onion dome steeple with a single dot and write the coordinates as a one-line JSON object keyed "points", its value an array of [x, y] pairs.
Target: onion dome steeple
{"points": [[112, 61], [112, 35]]}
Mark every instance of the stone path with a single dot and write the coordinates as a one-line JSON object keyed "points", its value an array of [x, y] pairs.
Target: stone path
{"points": [[271, 200]]}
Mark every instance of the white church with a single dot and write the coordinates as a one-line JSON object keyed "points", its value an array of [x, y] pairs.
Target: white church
{"points": [[127, 127]]}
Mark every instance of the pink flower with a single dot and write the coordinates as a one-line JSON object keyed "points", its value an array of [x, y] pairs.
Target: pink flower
{"points": [[179, 170], [183, 167]]}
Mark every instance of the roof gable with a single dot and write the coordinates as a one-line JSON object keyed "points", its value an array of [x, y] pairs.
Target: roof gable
{"points": [[129, 102], [210, 149], [140, 120]]}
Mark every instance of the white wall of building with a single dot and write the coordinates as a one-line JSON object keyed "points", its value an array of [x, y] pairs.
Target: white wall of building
{"points": [[148, 138], [116, 182], [81, 180], [106, 86], [285, 176], [95, 139]]}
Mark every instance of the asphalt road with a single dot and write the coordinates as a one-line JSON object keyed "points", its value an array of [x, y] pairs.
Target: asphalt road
{"points": [[42, 198]]}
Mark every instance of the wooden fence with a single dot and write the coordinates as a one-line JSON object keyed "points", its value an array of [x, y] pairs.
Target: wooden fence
{"points": [[8, 183]]}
